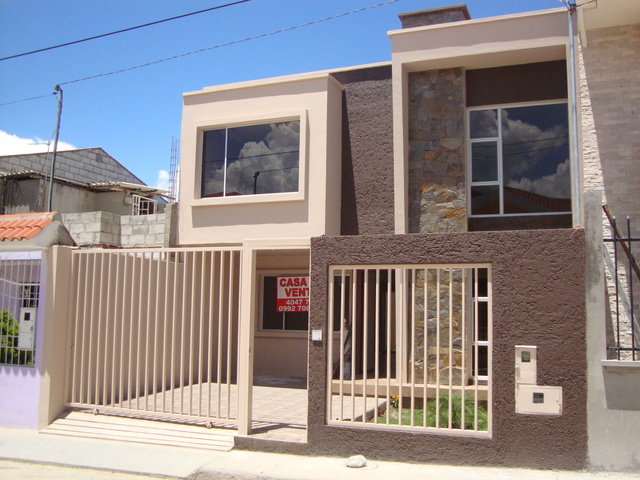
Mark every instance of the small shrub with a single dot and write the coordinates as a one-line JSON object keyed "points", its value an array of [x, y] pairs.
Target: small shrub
{"points": [[9, 352]]}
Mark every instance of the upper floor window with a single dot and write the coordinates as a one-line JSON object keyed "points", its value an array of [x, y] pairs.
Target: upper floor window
{"points": [[251, 160], [519, 160]]}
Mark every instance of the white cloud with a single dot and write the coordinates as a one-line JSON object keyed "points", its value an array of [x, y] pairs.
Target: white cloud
{"points": [[163, 180], [275, 158], [556, 185], [14, 145]]}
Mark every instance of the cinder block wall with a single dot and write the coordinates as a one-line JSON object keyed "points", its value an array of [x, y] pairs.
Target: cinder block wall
{"points": [[108, 229]]}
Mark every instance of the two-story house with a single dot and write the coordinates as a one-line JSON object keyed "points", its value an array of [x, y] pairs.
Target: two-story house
{"points": [[402, 260]]}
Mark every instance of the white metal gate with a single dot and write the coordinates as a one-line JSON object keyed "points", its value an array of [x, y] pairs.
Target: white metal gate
{"points": [[154, 333]]}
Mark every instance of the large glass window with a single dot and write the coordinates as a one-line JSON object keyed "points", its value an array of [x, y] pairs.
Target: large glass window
{"points": [[251, 160], [520, 160]]}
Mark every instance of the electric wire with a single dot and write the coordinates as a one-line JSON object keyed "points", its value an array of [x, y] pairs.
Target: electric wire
{"points": [[26, 99], [123, 30], [234, 42]]}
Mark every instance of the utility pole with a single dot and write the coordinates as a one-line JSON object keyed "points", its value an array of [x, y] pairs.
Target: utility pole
{"points": [[55, 148], [255, 181]]}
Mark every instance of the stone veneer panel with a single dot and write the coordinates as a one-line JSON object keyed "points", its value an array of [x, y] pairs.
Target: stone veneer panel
{"points": [[437, 199]]}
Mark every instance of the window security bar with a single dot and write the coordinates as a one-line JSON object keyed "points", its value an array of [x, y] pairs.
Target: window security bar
{"points": [[19, 295], [143, 205]]}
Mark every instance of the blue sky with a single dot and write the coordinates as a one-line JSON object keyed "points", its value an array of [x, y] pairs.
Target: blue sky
{"points": [[134, 115]]}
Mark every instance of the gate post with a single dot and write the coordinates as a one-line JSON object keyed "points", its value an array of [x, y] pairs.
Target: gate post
{"points": [[55, 345], [246, 337]]}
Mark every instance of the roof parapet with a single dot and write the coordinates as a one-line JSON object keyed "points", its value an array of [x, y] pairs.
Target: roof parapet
{"points": [[434, 16]]}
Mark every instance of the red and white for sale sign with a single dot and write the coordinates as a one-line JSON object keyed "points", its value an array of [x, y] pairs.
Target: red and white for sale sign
{"points": [[293, 294]]}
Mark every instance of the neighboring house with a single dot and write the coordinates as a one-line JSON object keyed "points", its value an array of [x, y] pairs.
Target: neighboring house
{"points": [[26, 339], [418, 242], [102, 203]]}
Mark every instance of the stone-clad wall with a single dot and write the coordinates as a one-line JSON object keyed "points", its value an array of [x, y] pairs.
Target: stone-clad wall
{"points": [[437, 199]]}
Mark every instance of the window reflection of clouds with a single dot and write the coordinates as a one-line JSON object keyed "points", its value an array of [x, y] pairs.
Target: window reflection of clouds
{"points": [[261, 157], [483, 123], [536, 149], [533, 160]]}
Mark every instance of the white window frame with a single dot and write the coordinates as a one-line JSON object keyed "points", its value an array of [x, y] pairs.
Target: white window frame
{"points": [[299, 195], [499, 181], [260, 310]]}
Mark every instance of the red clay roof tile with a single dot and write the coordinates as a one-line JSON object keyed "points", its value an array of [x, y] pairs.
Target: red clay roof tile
{"points": [[23, 226]]}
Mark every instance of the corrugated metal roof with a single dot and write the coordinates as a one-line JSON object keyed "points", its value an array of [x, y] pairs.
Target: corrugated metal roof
{"points": [[23, 226]]}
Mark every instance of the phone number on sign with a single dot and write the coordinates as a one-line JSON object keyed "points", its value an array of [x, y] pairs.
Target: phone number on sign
{"points": [[293, 308], [293, 305]]}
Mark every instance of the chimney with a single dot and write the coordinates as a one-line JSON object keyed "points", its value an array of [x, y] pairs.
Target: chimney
{"points": [[434, 16]]}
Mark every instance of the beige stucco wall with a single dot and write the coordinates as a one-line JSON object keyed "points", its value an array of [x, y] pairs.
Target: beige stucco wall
{"points": [[315, 210]]}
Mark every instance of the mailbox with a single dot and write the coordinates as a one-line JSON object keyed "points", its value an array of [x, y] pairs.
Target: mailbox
{"points": [[526, 364], [532, 398]]}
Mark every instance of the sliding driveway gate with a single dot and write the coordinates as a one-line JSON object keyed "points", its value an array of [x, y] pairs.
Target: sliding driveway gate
{"points": [[154, 333]]}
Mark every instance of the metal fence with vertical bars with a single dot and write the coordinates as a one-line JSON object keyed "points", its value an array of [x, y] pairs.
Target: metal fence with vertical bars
{"points": [[623, 268], [411, 347], [19, 296], [154, 333]]}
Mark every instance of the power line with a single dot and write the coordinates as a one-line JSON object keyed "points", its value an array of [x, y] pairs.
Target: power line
{"points": [[235, 42], [210, 48], [27, 99], [123, 30]]}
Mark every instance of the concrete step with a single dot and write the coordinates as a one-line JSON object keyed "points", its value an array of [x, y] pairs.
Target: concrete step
{"points": [[106, 427]]}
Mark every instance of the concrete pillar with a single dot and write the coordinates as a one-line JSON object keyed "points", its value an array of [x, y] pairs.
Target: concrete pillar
{"points": [[246, 339]]}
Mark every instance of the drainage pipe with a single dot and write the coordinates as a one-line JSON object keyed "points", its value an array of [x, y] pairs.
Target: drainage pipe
{"points": [[575, 167]]}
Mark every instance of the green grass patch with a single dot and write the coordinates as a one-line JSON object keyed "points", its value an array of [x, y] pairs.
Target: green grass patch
{"points": [[442, 414]]}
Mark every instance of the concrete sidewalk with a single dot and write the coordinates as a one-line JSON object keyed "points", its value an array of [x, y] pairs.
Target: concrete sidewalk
{"points": [[30, 455]]}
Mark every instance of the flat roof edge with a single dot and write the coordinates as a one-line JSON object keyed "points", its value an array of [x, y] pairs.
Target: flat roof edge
{"points": [[476, 21], [296, 77]]}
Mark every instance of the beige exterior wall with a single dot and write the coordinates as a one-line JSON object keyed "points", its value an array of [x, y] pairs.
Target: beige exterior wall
{"points": [[315, 210]]}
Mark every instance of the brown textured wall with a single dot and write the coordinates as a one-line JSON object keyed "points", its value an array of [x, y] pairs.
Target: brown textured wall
{"points": [[538, 299], [367, 151], [517, 83]]}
